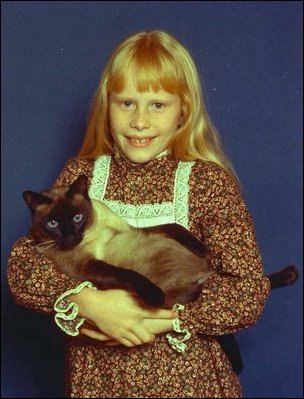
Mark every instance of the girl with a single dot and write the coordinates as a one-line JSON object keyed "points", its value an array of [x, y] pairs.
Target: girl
{"points": [[153, 155]]}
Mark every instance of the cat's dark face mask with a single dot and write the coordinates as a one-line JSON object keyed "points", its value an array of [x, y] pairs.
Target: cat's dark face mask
{"points": [[60, 215]]}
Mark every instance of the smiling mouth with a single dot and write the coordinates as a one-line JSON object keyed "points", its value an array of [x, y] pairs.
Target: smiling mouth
{"points": [[140, 142]]}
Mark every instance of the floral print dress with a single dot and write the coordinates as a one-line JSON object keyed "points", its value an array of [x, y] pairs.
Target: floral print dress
{"points": [[203, 198]]}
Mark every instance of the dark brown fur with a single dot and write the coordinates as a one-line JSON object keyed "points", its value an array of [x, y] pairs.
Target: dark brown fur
{"points": [[162, 265], [174, 261]]}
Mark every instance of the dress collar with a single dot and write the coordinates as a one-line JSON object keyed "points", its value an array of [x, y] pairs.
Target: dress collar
{"points": [[124, 162]]}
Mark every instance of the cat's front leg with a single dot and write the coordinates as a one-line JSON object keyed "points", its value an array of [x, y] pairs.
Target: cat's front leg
{"points": [[106, 276], [181, 235]]}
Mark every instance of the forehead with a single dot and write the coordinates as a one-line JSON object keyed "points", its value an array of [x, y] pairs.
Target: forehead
{"points": [[130, 90]]}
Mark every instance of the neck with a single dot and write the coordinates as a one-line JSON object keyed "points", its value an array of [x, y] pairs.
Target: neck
{"points": [[162, 154]]}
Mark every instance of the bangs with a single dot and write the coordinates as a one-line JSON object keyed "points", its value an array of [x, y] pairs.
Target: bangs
{"points": [[151, 67]]}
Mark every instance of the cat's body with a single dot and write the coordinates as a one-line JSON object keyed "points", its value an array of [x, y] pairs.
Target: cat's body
{"points": [[104, 249], [168, 255]]}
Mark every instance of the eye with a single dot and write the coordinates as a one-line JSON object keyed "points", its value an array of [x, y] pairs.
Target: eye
{"points": [[52, 224], [159, 105], [78, 218], [127, 104]]}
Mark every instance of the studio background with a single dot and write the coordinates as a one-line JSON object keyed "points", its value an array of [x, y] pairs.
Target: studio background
{"points": [[249, 55]]}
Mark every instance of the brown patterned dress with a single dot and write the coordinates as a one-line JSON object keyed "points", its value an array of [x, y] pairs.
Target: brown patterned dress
{"points": [[231, 299]]}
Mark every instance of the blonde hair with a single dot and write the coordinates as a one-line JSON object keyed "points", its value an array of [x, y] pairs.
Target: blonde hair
{"points": [[160, 62]]}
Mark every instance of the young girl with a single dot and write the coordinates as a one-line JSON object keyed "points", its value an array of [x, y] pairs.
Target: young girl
{"points": [[152, 154]]}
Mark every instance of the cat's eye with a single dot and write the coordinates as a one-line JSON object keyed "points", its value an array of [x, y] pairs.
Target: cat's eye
{"points": [[78, 218], [52, 224]]}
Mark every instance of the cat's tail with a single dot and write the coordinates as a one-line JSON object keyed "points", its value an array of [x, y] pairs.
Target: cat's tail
{"points": [[284, 277]]}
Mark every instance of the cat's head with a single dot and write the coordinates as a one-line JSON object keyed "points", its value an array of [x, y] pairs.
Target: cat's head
{"points": [[61, 214]]}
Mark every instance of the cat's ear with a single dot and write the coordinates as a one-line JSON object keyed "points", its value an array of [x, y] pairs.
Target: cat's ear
{"points": [[79, 186], [33, 199]]}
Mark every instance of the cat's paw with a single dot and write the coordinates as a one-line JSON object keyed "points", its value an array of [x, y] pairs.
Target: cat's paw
{"points": [[147, 291], [151, 294]]}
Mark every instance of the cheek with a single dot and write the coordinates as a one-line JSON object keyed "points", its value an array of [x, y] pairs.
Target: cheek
{"points": [[112, 118], [117, 121], [173, 118], [172, 123]]}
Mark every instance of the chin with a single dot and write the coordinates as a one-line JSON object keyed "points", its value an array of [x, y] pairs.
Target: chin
{"points": [[141, 155], [140, 158]]}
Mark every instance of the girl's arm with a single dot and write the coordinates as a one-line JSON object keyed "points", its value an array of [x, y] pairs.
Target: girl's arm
{"points": [[33, 280], [234, 296], [36, 283]]}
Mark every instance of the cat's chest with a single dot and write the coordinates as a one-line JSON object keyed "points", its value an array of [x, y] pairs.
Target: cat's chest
{"points": [[95, 243]]}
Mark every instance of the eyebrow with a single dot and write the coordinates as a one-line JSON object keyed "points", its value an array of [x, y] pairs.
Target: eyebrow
{"points": [[118, 96]]}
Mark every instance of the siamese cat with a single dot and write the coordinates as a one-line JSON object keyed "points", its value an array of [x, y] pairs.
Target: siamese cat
{"points": [[162, 265]]}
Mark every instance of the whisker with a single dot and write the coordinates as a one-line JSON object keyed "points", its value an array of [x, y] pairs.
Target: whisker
{"points": [[51, 245], [45, 243]]}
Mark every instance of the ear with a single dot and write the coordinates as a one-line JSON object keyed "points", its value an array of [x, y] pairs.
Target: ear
{"points": [[79, 186], [33, 200]]}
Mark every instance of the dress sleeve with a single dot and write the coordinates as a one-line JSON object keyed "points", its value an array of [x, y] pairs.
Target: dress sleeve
{"points": [[33, 280], [234, 295]]}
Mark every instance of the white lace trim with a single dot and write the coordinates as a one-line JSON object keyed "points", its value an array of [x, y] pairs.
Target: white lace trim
{"points": [[66, 316], [181, 193], [145, 215], [100, 177], [178, 344]]}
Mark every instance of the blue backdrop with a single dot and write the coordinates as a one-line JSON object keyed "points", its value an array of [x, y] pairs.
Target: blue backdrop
{"points": [[249, 55]]}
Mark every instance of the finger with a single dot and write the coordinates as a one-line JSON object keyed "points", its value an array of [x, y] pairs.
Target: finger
{"points": [[126, 342], [133, 338], [144, 336], [161, 314], [111, 342], [94, 334]]}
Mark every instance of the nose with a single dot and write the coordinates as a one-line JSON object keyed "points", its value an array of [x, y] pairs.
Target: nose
{"points": [[140, 121]]}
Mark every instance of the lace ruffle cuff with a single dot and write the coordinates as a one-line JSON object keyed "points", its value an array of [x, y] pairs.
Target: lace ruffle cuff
{"points": [[66, 316], [178, 343]]}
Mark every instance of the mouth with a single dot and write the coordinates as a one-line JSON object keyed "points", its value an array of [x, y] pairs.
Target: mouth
{"points": [[69, 244], [139, 142]]}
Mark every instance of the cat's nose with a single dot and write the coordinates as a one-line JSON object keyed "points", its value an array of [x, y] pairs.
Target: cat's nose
{"points": [[70, 242]]}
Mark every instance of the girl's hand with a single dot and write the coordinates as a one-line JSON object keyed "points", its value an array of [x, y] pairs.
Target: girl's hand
{"points": [[159, 326], [154, 326], [118, 316], [91, 331]]}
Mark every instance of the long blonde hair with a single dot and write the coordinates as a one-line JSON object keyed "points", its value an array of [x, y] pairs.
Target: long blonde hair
{"points": [[161, 62]]}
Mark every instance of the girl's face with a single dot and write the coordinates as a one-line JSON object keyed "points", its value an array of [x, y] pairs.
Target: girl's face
{"points": [[142, 123]]}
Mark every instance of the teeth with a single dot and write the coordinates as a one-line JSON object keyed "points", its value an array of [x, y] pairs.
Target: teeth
{"points": [[140, 141]]}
